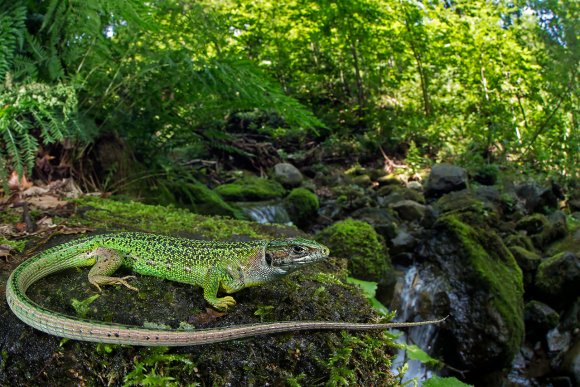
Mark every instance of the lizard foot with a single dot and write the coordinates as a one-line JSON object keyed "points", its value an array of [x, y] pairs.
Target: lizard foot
{"points": [[224, 303], [105, 280]]}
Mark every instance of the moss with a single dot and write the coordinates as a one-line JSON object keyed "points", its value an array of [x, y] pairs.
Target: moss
{"points": [[533, 224], [193, 195], [459, 201], [358, 241], [168, 220], [541, 229], [497, 272], [302, 206], [207, 202], [528, 261], [521, 240], [17, 245], [401, 193], [556, 275], [251, 189]]}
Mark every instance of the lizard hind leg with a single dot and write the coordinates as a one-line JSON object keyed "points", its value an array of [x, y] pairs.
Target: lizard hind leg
{"points": [[108, 261]]}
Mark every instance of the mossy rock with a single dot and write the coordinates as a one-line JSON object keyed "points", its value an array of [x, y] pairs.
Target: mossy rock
{"points": [[528, 261], [357, 241], [395, 193], [460, 201], [193, 195], [317, 292], [543, 230], [302, 206], [539, 318], [251, 189], [519, 239], [495, 280], [558, 278], [202, 200]]}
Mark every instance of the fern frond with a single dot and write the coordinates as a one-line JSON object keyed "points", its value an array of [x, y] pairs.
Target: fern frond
{"points": [[12, 150], [12, 27]]}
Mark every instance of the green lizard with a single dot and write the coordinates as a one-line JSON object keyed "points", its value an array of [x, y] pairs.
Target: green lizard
{"points": [[215, 266]]}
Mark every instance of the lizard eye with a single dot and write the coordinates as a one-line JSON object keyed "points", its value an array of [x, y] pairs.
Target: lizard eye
{"points": [[269, 259], [298, 249]]}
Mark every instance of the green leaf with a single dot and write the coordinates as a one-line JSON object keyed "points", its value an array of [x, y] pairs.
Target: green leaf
{"points": [[416, 353], [369, 289], [82, 307], [437, 381]]}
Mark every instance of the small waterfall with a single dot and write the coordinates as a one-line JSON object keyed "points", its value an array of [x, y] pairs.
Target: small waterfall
{"points": [[417, 289], [266, 212]]}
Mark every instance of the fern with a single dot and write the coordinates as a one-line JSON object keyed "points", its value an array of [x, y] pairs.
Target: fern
{"points": [[12, 28], [26, 110]]}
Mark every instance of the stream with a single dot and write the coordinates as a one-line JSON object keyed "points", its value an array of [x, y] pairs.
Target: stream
{"points": [[266, 212]]}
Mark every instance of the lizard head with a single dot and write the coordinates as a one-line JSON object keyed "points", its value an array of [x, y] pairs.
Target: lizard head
{"points": [[276, 259], [287, 255]]}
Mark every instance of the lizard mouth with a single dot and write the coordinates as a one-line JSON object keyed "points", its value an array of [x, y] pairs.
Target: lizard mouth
{"points": [[290, 263]]}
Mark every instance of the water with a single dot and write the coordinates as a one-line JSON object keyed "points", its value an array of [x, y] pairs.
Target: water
{"points": [[266, 212], [413, 303]]}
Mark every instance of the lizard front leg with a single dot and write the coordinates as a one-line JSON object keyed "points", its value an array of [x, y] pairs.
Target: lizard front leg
{"points": [[211, 286], [108, 261]]}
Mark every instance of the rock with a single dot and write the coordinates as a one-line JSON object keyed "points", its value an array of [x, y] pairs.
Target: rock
{"points": [[198, 198], [571, 362], [361, 180], [251, 189], [533, 224], [359, 243], [389, 179], [302, 206], [394, 193], [409, 210], [415, 186], [574, 205], [488, 194], [536, 198], [558, 278], [486, 305], [352, 197], [528, 261], [445, 178], [543, 230], [520, 239], [539, 319], [468, 207], [404, 242], [558, 341], [287, 175], [381, 219]]}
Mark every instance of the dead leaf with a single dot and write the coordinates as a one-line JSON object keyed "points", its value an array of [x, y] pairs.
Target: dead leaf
{"points": [[18, 184], [205, 317], [6, 251], [20, 227], [35, 191], [46, 202]]}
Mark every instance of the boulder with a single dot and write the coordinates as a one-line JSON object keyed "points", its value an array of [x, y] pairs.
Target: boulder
{"points": [[528, 261], [485, 294], [409, 210], [558, 278], [251, 189], [382, 220], [539, 319], [536, 198], [359, 243], [302, 206], [287, 175], [445, 178]]}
